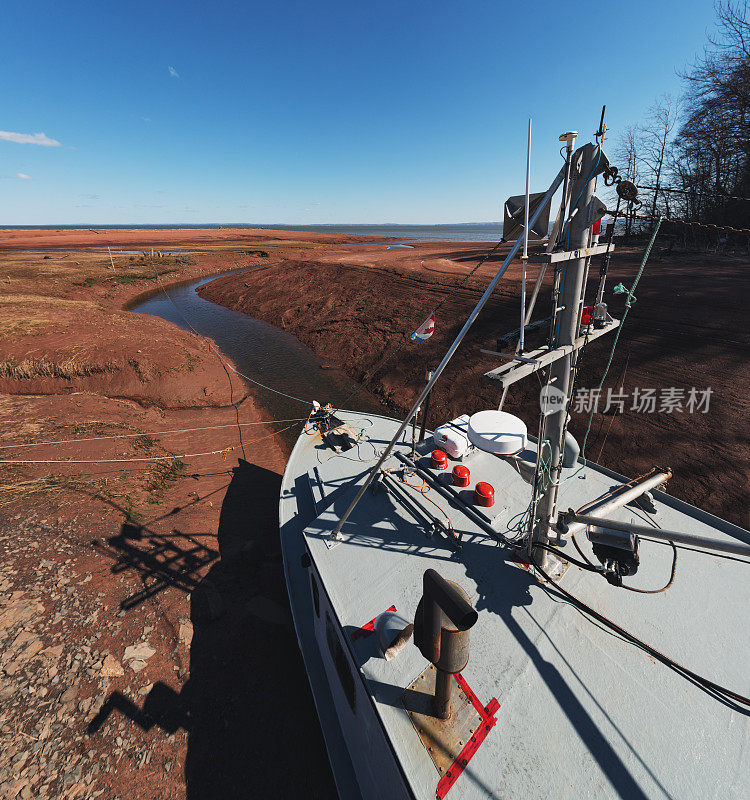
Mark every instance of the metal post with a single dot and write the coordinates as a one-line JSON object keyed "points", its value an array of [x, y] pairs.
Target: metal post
{"points": [[736, 548], [525, 256], [441, 702], [425, 411], [589, 161], [447, 357], [606, 505], [569, 138]]}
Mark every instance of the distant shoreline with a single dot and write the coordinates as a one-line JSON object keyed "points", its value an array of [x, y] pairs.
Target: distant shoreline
{"points": [[253, 226], [443, 232]]}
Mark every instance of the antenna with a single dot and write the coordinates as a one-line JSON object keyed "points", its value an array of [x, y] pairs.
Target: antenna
{"points": [[602, 127]]}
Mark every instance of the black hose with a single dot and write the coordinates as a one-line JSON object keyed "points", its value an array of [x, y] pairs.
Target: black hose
{"points": [[730, 698]]}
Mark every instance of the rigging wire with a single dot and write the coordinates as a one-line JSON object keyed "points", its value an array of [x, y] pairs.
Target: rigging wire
{"points": [[389, 355], [629, 300]]}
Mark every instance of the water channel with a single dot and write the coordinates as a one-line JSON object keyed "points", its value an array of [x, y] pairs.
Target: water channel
{"points": [[263, 352]]}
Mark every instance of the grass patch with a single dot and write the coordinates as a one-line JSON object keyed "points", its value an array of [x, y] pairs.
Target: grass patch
{"points": [[144, 443], [124, 278], [44, 368], [15, 329], [163, 476], [48, 487]]}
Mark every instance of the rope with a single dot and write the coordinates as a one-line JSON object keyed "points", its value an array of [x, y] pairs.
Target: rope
{"points": [[141, 458], [150, 433], [676, 221], [693, 194]]}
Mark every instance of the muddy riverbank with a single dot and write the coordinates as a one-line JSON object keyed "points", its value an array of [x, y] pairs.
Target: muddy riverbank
{"points": [[687, 331], [142, 599]]}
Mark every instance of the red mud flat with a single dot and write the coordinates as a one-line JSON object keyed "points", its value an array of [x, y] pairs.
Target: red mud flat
{"points": [[132, 238], [146, 646], [687, 329]]}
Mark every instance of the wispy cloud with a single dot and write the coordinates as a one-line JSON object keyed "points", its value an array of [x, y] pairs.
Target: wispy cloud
{"points": [[23, 176], [173, 72], [29, 138]]}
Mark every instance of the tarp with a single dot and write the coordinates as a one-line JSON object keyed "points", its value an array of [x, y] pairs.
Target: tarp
{"points": [[514, 216]]}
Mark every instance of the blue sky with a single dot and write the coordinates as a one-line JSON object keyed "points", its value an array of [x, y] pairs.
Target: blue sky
{"points": [[300, 112]]}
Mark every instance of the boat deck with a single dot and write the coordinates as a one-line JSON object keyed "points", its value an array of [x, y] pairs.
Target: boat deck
{"points": [[582, 712]]}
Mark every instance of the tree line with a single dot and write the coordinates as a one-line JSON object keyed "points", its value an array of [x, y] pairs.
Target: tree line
{"points": [[691, 156]]}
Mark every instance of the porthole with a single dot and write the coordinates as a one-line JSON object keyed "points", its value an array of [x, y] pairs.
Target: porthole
{"points": [[341, 663]]}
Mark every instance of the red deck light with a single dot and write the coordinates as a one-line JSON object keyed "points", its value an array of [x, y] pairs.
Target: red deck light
{"points": [[484, 494], [587, 315], [439, 460], [461, 475]]}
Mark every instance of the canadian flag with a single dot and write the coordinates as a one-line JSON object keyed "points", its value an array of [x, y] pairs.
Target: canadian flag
{"points": [[425, 330]]}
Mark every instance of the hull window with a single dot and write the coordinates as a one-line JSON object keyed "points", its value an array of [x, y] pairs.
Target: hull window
{"points": [[315, 594], [340, 661]]}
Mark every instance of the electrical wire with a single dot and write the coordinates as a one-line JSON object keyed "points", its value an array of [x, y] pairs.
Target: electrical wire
{"points": [[727, 696], [423, 490], [593, 567]]}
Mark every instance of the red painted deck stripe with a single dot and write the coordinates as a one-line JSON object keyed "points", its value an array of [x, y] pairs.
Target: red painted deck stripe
{"points": [[489, 720]]}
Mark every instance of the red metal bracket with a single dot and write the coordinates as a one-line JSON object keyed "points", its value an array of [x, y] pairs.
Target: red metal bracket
{"points": [[489, 720], [367, 628]]}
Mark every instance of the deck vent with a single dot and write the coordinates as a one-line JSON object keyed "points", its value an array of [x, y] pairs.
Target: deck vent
{"points": [[441, 632]]}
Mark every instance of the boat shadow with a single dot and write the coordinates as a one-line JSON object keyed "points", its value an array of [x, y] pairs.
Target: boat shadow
{"points": [[252, 729]]}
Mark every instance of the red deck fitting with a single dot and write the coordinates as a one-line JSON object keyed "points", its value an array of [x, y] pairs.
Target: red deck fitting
{"points": [[487, 713], [367, 628]]}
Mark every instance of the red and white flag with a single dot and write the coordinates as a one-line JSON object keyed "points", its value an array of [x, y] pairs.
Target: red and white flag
{"points": [[425, 330]]}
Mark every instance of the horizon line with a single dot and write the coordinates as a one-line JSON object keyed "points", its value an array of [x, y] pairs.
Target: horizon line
{"points": [[242, 224]]}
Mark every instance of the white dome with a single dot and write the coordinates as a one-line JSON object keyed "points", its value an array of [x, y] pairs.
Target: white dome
{"points": [[497, 432]]}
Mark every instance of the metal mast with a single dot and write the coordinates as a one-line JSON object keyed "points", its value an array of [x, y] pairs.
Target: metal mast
{"points": [[588, 161]]}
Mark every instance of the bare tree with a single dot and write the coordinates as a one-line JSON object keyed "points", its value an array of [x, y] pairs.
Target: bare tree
{"points": [[627, 154], [711, 156], [654, 139]]}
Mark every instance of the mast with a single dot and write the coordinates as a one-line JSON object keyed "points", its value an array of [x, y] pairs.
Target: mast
{"points": [[587, 162]]}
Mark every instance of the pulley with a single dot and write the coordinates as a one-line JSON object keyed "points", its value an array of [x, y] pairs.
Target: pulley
{"points": [[627, 190]]}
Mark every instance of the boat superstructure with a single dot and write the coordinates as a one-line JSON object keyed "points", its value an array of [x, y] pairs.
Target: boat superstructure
{"points": [[502, 618]]}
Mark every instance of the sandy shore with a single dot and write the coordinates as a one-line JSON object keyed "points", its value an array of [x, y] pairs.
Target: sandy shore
{"points": [[146, 238]]}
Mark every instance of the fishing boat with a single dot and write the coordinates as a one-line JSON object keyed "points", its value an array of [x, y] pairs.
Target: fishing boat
{"points": [[483, 612]]}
